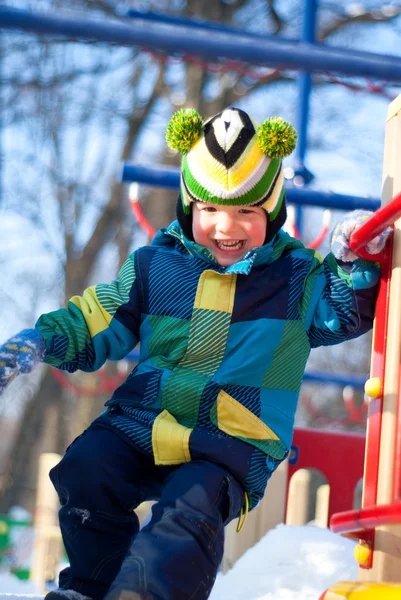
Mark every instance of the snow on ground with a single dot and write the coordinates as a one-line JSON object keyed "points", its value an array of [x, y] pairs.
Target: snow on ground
{"points": [[12, 587], [289, 563]]}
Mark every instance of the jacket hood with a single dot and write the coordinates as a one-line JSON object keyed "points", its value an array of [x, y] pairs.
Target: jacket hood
{"points": [[281, 242]]}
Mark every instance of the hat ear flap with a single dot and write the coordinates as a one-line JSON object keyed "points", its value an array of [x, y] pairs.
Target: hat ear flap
{"points": [[277, 138], [184, 130]]}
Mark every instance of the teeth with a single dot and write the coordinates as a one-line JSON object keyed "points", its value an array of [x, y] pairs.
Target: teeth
{"points": [[229, 245]]}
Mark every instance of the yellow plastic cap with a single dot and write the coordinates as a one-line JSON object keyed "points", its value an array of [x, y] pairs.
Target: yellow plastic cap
{"points": [[373, 387], [361, 553]]}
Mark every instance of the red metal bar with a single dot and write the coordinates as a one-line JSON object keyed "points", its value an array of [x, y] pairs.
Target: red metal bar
{"points": [[140, 217], [314, 244], [382, 218], [358, 521], [355, 414], [107, 384], [319, 239], [325, 230], [373, 429]]}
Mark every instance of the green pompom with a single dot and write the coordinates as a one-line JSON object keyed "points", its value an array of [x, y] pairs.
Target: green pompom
{"points": [[184, 129], [277, 138]]}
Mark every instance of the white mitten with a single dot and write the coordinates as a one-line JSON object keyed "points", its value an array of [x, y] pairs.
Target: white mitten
{"points": [[342, 233]]}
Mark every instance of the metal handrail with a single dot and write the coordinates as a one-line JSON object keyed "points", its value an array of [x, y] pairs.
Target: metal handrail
{"points": [[382, 218]]}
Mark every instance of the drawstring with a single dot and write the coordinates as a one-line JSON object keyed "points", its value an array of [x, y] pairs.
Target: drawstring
{"points": [[243, 514]]}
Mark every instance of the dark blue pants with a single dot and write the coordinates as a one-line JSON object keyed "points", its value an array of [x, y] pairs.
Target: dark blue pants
{"points": [[102, 478]]}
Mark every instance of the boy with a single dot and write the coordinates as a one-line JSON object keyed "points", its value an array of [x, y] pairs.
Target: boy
{"points": [[227, 307]]}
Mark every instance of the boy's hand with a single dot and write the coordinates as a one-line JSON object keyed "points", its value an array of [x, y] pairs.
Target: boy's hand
{"points": [[20, 354], [342, 233]]}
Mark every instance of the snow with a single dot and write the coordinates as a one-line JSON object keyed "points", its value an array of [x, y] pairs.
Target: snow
{"points": [[11, 587], [288, 563]]}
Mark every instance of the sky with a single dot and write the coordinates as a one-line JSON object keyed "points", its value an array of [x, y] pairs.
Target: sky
{"points": [[288, 563]]}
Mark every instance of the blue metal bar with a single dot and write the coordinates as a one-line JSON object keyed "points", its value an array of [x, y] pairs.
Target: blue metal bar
{"points": [[343, 379], [305, 85], [330, 200], [173, 39], [304, 92], [169, 177]]}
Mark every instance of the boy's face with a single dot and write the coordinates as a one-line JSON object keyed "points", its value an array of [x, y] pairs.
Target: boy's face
{"points": [[228, 231]]}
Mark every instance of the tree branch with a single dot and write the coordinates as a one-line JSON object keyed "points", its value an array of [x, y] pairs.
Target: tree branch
{"points": [[278, 22], [78, 268], [373, 16]]}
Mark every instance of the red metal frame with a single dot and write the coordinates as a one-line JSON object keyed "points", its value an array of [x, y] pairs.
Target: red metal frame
{"points": [[362, 523], [106, 385], [356, 415], [140, 217], [137, 211], [319, 239]]}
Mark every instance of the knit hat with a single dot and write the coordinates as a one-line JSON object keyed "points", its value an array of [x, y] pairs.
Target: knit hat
{"points": [[231, 160]]}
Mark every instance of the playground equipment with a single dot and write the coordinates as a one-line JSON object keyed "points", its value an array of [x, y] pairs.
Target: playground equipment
{"points": [[47, 544], [378, 523], [170, 38]]}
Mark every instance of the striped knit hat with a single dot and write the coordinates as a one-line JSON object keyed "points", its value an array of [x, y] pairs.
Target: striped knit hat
{"points": [[231, 160]]}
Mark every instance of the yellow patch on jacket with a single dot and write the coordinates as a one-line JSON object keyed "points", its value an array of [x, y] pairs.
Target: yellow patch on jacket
{"points": [[216, 291], [236, 420], [170, 440], [97, 319]]}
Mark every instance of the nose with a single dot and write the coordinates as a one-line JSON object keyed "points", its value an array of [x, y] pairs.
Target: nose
{"points": [[225, 223]]}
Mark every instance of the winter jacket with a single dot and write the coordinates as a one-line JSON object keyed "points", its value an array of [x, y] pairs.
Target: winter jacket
{"points": [[222, 349]]}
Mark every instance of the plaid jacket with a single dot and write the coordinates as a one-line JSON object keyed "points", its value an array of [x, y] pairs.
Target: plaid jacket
{"points": [[222, 350]]}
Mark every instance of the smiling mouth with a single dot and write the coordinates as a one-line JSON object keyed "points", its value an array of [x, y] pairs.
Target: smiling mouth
{"points": [[229, 245]]}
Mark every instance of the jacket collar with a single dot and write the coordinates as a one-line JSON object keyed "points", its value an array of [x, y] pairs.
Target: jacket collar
{"points": [[257, 256]]}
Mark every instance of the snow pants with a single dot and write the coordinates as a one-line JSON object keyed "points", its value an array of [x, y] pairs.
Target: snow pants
{"points": [[100, 481]]}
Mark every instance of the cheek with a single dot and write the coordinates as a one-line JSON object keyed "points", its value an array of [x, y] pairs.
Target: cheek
{"points": [[199, 229], [257, 234]]}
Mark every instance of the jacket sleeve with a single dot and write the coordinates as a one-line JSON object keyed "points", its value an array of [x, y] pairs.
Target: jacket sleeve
{"points": [[101, 324], [339, 299]]}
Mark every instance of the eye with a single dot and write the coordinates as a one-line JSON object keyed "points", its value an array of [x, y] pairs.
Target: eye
{"points": [[209, 209], [247, 211]]}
